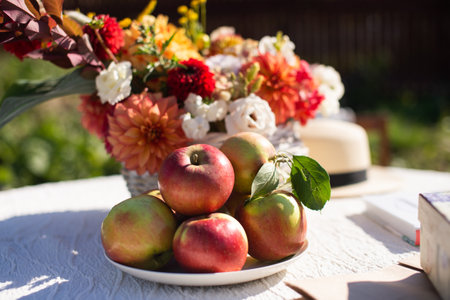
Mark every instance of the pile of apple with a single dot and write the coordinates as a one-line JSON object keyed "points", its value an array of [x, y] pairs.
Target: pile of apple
{"points": [[213, 207]]}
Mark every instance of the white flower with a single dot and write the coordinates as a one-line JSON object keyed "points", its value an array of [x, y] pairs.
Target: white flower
{"points": [[330, 85], [215, 111], [250, 114], [77, 16], [194, 128], [195, 105], [114, 83], [221, 32], [224, 63], [267, 45]]}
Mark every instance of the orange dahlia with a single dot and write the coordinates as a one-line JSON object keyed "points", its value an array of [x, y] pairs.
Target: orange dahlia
{"points": [[279, 87], [93, 114], [143, 130]]}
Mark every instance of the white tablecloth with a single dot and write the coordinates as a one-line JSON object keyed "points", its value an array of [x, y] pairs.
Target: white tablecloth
{"points": [[50, 244]]}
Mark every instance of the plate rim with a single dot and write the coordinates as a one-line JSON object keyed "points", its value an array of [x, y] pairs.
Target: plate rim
{"points": [[211, 279]]}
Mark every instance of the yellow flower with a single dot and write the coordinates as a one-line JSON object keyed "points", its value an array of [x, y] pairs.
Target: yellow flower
{"points": [[147, 10], [182, 21], [182, 9], [192, 15], [180, 46], [124, 23]]}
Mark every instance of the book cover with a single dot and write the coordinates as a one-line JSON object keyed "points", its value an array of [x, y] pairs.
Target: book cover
{"points": [[397, 213]]}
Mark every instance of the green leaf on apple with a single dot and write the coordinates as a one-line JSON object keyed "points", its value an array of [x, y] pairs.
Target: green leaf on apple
{"points": [[310, 182], [266, 180]]}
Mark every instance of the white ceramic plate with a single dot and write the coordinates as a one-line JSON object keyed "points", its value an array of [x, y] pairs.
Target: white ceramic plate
{"points": [[252, 270]]}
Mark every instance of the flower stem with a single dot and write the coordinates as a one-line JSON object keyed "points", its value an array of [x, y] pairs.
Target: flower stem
{"points": [[102, 42]]}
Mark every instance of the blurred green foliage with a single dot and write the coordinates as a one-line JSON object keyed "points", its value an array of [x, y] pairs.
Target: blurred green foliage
{"points": [[48, 142]]}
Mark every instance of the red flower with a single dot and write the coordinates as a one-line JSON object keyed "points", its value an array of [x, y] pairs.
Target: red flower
{"points": [[20, 48], [305, 109], [94, 115], [310, 98], [111, 34], [194, 77]]}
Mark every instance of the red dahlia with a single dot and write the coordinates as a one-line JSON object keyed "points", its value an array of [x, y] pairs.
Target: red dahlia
{"points": [[20, 48], [193, 77], [110, 32]]}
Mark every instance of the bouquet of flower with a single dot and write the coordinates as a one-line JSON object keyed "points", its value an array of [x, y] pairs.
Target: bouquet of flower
{"points": [[148, 86]]}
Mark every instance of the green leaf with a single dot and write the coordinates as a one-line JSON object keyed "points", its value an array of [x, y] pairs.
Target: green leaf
{"points": [[310, 182], [24, 95], [266, 180]]}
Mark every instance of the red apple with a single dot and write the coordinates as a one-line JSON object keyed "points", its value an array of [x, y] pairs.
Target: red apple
{"points": [[247, 151], [196, 180], [212, 243], [275, 225], [138, 232]]}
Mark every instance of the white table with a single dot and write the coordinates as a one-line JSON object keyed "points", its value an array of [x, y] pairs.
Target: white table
{"points": [[50, 244]]}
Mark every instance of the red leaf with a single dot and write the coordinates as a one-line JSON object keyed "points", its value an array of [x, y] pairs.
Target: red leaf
{"points": [[17, 10], [33, 6], [54, 8], [36, 30]]}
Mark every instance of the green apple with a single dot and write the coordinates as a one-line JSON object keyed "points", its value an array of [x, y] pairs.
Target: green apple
{"points": [[138, 232], [275, 225], [247, 152]]}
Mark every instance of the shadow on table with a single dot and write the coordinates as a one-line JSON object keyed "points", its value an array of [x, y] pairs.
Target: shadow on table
{"points": [[59, 255], [394, 243], [415, 286]]}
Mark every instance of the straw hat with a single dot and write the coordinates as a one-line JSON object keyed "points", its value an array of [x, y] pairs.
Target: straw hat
{"points": [[342, 148]]}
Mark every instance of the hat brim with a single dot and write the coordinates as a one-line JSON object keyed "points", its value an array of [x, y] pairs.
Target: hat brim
{"points": [[379, 180]]}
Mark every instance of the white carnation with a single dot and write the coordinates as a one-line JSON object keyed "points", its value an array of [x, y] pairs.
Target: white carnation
{"points": [[114, 83], [267, 45], [194, 128], [250, 114], [331, 86], [215, 111], [195, 105]]}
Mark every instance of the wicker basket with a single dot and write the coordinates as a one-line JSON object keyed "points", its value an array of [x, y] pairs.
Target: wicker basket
{"points": [[284, 140]]}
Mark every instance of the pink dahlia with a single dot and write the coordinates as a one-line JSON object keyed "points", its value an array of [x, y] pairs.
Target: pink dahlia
{"points": [[111, 34], [94, 115], [143, 130], [193, 77]]}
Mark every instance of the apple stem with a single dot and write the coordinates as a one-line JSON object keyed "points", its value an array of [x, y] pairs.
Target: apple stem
{"points": [[282, 157], [194, 159]]}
